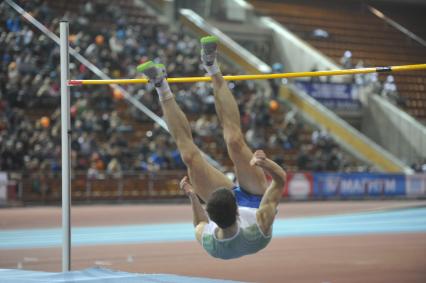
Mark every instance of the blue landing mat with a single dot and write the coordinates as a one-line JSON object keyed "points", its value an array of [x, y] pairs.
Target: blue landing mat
{"points": [[97, 275]]}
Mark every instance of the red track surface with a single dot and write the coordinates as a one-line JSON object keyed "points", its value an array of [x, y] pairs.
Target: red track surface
{"points": [[368, 258]]}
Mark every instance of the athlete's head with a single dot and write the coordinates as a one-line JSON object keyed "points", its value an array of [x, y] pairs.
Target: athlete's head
{"points": [[222, 207]]}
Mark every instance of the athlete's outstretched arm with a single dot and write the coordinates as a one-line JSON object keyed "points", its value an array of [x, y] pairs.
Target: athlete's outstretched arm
{"points": [[199, 214], [270, 200]]}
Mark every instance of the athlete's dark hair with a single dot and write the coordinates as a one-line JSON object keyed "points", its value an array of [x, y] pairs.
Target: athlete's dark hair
{"points": [[222, 207]]}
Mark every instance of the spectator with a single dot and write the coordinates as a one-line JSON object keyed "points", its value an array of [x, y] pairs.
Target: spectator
{"points": [[304, 159], [93, 172], [256, 137], [202, 127], [373, 83], [389, 90], [114, 168], [346, 60], [359, 78]]}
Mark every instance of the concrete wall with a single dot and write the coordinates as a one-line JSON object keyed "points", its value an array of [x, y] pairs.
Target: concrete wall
{"points": [[296, 54], [347, 136], [394, 129]]}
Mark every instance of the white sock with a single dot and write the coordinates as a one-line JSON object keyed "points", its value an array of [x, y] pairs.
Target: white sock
{"points": [[164, 91], [213, 69]]}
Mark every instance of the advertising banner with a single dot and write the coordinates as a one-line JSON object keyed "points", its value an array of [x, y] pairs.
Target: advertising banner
{"points": [[358, 185], [416, 185], [336, 96], [299, 185]]}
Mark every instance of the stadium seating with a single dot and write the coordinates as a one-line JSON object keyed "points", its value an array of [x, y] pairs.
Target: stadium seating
{"points": [[351, 26], [140, 127]]}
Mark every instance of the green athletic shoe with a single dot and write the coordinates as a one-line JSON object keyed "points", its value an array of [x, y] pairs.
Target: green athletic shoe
{"points": [[155, 73], [209, 49]]}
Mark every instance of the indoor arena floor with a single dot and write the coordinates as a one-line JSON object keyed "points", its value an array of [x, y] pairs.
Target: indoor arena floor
{"points": [[348, 241]]}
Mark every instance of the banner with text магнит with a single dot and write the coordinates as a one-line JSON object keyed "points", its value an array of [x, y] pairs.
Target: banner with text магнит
{"points": [[358, 185]]}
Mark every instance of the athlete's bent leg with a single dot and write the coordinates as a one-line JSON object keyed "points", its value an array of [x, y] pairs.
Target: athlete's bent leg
{"points": [[204, 177], [252, 179]]}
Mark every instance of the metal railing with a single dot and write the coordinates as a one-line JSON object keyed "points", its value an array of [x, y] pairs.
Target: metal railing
{"points": [[45, 187]]}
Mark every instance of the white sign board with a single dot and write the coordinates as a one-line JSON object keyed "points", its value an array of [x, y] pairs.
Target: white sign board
{"points": [[416, 185], [3, 186]]}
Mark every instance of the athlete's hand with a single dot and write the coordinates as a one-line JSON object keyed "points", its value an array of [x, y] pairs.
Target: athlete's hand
{"points": [[185, 185], [258, 159]]}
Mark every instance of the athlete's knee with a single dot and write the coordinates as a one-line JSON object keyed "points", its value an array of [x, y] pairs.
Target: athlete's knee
{"points": [[235, 140], [189, 156]]}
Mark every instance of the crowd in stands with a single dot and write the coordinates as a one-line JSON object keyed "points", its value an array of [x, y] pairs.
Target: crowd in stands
{"points": [[387, 89], [29, 83], [368, 82]]}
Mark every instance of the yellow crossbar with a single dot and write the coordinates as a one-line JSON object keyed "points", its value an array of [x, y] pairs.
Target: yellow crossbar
{"points": [[402, 68]]}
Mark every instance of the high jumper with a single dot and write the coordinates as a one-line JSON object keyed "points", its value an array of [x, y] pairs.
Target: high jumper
{"points": [[238, 219]]}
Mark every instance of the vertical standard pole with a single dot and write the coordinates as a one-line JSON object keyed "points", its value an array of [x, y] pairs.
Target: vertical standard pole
{"points": [[65, 138]]}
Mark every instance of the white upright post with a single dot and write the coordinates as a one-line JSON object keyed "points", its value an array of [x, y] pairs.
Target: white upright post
{"points": [[65, 137]]}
